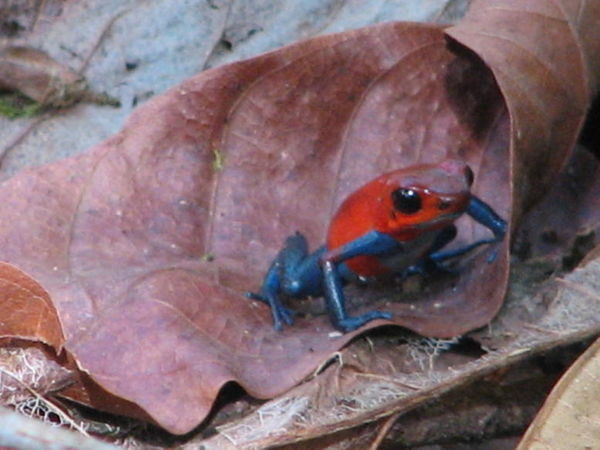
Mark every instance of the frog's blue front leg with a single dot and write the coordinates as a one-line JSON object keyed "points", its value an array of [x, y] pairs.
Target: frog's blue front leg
{"points": [[432, 262], [482, 213], [372, 243], [486, 216]]}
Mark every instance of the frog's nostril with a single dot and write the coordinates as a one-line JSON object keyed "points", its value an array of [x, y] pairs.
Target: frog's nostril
{"points": [[453, 166], [444, 203]]}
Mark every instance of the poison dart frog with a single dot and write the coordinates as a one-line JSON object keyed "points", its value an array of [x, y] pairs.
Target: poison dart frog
{"points": [[397, 223]]}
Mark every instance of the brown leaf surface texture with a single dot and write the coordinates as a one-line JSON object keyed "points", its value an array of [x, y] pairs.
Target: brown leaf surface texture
{"points": [[120, 237]]}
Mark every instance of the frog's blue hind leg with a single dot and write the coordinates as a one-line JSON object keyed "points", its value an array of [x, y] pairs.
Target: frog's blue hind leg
{"points": [[302, 275], [295, 274], [269, 294]]}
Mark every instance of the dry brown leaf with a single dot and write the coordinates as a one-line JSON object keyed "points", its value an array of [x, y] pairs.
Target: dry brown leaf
{"points": [[119, 236], [544, 56], [570, 417], [29, 313]]}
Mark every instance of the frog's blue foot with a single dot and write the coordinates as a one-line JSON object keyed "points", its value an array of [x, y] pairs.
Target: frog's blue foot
{"points": [[280, 313], [348, 324], [428, 268]]}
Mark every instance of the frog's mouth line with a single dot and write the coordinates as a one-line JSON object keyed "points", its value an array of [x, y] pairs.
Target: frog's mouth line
{"points": [[445, 218]]}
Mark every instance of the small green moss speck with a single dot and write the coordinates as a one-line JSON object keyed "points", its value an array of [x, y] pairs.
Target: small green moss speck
{"points": [[219, 161], [208, 257], [16, 106]]}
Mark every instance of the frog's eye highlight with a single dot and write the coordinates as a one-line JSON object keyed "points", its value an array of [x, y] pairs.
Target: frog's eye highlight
{"points": [[406, 201]]}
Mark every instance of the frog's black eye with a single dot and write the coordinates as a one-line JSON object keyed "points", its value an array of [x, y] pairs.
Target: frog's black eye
{"points": [[406, 201], [469, 176]]}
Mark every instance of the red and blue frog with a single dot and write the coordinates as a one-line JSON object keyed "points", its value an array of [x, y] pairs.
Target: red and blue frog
{"points": [[397, 223]]}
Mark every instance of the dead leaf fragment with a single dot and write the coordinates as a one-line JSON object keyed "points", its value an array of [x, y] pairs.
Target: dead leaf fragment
{"points": [[551, 232], [570, 416], [19, 431], [28, 313], [39, 77], [23, 370], [19, 18]]}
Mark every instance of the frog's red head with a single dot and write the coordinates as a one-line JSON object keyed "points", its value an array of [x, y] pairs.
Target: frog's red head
{"points": [[422, 198], [405, 203]]}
